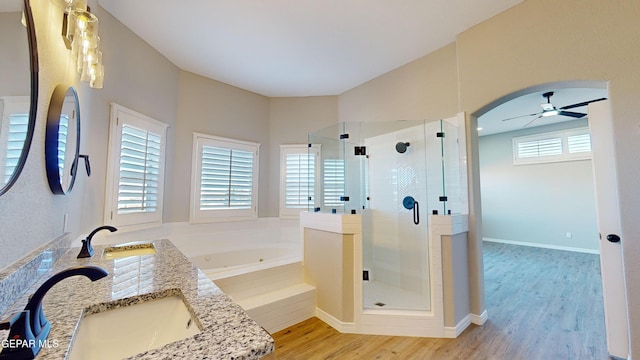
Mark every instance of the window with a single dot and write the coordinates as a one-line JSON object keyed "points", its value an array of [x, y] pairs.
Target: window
{"points": [[15, 123], [297, 178], [333, 181], [135, 173], [63, 132], [224, 180], [567, 145]]}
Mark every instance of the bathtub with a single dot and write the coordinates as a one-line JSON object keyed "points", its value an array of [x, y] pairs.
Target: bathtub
{"points": [[256, 263], [222, 250], [224, 264], [227, 248]]}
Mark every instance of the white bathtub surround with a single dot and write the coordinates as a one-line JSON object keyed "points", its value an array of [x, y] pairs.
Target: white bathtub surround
{"points": [[194, 239], [246, 258], [276, 297], [257, 263], [333, 263]]}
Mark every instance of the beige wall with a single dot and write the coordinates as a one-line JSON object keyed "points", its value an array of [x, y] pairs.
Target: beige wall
{"points": [[29, 214], [329, 267], [591, 40], [290, 120], [212, 107], [137, 76], [143, 81], [425, 89], [455, 279]]}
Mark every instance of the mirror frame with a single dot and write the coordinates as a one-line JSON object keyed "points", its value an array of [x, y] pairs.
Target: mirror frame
{"points": [[33, 105], [52, 135]]}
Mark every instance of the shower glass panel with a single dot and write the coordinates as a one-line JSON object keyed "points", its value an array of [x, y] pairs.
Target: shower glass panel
{"points": [[395, 226], [451, 169], [328, 149], [394, 174]]}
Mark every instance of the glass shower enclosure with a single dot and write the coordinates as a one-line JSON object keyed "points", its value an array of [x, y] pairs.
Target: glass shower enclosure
{"points": [[394, 174]]}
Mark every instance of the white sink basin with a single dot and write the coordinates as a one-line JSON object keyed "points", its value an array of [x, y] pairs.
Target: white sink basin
{"points": [[125, 331], [120, 251]]}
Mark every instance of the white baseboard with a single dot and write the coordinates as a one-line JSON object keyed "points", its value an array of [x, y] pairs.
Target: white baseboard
{"points": [[544, 246], [454, 332], [479, 319], [343, 327]]}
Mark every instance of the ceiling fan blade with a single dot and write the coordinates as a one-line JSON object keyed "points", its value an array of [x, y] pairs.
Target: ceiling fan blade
{"points": [[521, 116], [531, 122], [572, 114], [580, 104]]}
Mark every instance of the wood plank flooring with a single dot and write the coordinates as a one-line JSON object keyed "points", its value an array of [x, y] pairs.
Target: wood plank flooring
{"points": [[542, 304]]}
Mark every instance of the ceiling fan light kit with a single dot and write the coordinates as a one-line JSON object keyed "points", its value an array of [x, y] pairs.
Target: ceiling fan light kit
{"points": [[548, 109]]}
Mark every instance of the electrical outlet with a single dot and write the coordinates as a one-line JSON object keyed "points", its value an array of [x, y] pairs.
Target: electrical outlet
{"points": [[568, 235]]}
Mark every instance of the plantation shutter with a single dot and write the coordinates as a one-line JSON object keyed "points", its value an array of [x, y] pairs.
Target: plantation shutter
{"points": [[299, 180], [16, 135], [541, 147], [579, 143], [333, 180], [138, 184], [226, 178], [63, 130], [564, 145]]}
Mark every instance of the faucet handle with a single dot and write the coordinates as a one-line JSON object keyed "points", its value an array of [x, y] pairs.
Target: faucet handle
{"points": [[18, 326], [8, 322], [87, 249]]}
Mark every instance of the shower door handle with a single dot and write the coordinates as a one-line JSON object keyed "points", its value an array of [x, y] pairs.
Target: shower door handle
{"points": [[410, 203]]}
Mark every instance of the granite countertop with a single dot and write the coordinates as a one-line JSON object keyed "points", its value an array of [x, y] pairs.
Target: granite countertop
{"points": [[227, 331]]}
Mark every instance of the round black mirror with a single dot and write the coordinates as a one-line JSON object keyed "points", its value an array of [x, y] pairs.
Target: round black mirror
{"points": [[62, 139], [18, 91]]}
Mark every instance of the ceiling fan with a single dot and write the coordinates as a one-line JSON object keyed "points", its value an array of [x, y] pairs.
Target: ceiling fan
{"points": [[548, 109]]}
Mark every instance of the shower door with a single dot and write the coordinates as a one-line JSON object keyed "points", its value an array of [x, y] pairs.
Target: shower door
{"points": [[395, 229]]}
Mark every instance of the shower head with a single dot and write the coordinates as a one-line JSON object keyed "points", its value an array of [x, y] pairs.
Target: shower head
{"points": [[401, 147]]}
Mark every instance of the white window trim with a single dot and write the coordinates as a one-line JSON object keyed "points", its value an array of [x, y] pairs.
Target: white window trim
{"points": [[10, 105], [565, 156], [294, 213], [203, 216], [136, 119]]}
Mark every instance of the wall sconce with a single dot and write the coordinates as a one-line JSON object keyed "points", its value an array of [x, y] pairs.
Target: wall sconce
{"points": [[80, 35]]}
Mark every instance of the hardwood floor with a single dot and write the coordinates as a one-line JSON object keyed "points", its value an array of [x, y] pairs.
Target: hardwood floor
{"points": [[542, 304]]}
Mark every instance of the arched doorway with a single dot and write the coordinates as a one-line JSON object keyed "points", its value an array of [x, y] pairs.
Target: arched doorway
{"points": [[590, 90]]}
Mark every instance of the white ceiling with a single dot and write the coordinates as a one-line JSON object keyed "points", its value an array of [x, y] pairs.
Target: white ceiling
{"points": [[298, 48], [318, 47]]}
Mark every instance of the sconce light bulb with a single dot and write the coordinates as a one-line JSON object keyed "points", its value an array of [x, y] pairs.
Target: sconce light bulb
{"points": [[81, 22], [97, 76]]}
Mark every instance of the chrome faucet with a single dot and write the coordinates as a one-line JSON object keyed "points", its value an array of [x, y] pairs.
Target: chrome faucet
{"points": [[87, 249], [28, 329]]}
